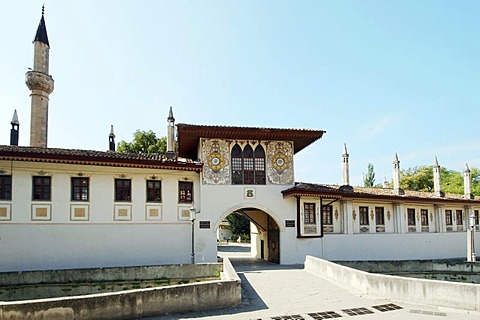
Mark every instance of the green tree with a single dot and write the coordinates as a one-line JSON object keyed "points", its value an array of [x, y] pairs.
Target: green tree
{"points": [[369, 178], [239, 224], [451, 181], [144, 142]]}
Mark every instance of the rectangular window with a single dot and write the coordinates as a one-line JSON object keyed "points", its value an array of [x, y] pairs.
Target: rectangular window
{"points": [[154, 191], [80, 189], [327, 215], [379, 216], [5, 187], [309, 213], [411, 217], [364, 216], [459, 216], [123, 190], [424, 217], [185, 192], [41, 188], [476, 217], [448, 217]]}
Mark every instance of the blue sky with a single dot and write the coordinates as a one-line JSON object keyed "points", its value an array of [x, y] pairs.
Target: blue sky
{"points": [[381, 76]]}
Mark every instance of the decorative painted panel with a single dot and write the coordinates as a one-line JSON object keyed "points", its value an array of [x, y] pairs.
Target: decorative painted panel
{"points": [[280, 162], [215, 157]]}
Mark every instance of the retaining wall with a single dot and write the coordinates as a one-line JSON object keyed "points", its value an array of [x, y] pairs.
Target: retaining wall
{"points": [[132, 304], [440, 293]]}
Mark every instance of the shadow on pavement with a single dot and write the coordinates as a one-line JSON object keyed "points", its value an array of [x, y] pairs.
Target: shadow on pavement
{"points": [[233, 248]]}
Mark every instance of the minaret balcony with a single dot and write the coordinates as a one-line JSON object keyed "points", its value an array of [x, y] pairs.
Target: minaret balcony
{"points": [[36, 80]]}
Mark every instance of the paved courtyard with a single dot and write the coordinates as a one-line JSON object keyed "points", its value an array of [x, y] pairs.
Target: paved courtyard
{"points": [[272, 291]]}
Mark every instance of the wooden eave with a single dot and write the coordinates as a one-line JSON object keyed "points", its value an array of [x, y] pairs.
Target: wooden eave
{"points": [[189, 136]]}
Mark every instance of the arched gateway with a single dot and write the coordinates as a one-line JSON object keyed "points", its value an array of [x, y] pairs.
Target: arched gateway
{"points": [[265, 230]]}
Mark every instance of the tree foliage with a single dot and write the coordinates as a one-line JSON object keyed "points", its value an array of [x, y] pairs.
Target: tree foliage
{"points": [[239, 224], [144, 142], [451, 181], [369, 178]]}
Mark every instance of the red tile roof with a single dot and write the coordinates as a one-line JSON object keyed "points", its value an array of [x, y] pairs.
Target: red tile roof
{"points": [[91, 157], [384, 194]]}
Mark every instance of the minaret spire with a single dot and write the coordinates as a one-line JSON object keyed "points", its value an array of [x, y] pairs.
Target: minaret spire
{"points": [[437, 189], [345, 167], [171, 154], [396, 176], [15, 129], [41, 84], [467, 183]]}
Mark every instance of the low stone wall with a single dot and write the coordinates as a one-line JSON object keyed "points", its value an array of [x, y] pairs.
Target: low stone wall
{"points": [[440, 293], [131, 304]]}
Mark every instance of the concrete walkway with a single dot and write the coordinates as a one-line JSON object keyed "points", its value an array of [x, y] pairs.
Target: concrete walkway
{"points": [[272, 291]]}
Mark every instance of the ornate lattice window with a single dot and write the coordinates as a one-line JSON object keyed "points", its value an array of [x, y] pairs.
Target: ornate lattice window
{"points": [[327, 215], [411, 217], [248, 165], [448, 217], [424, 217], [309, 213], [364, 216], [379, 216]]}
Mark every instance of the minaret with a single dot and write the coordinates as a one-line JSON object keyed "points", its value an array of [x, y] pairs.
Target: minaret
{"points": [[396, 176], [171, 135], [40, 84], [111, 139], [345, 167], [467, 183], [437, 189]]}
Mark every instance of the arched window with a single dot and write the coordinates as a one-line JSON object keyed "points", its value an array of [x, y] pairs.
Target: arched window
{"points": [[248, 166], [259, 165], [237, 165]]}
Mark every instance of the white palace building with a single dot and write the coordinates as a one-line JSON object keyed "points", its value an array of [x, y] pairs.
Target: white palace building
{"points": [[65, 208]]}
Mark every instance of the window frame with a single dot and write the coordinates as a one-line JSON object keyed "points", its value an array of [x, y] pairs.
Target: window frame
{"points": [[411, 219], [6, 187], [43, 190], [157, 191], [379, 216], [309, 214], [185, 198], [123, 193], [327, 215], [364, 219], [424, 217], [248, 165], [459, 213], [74, 189], [448, 217]]}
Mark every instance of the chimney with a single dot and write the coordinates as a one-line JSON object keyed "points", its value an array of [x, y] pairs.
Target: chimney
{"points": [[15, 129], [467, 183], [171, 154], [396, 176], [437, 189], [345, 167], [385, 183], [111, 139]]}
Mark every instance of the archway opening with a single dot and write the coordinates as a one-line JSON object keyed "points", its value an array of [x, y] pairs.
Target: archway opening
{"points": [[249, 233]]}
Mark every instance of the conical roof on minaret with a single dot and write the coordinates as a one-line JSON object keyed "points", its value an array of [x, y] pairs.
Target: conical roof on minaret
{"points": [[41, 35], [15, 118]]}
